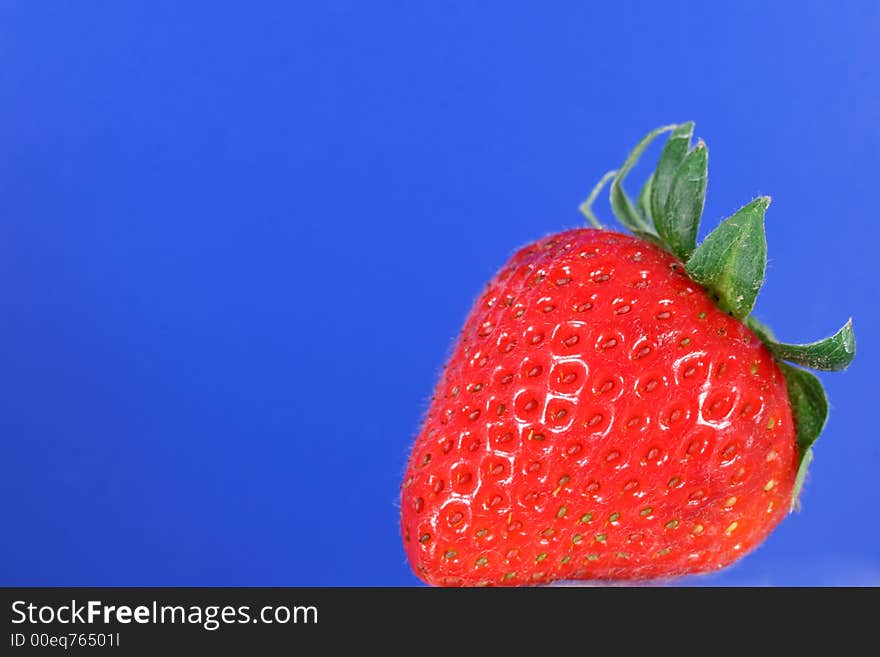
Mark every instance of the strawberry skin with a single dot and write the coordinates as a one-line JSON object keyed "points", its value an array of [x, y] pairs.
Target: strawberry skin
{"points": [[599, 418]]}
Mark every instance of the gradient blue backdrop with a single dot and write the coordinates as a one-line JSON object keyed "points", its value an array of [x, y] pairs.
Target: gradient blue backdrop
{"points": [[237, 239]]}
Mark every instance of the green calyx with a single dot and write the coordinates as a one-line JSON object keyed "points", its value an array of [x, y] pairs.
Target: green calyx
{"points": [[730, 264]]}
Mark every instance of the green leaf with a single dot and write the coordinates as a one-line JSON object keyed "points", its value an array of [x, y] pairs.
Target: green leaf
{"points": [[652, 238], [673, 155], [643, 204], [800, 478], [680, 221], [808, 403], [831, 354], [760, 329], [620, 203], [731, 261], [586, 207], [810, 409]]}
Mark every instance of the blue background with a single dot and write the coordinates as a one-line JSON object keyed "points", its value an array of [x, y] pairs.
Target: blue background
{"points": [[237, 239]]}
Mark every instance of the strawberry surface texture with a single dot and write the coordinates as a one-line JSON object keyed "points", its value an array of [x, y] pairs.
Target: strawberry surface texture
{"points": [[610, 411]]}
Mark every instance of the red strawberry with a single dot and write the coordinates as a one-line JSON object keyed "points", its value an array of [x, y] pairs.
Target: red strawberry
{"points": [[607, 412]]}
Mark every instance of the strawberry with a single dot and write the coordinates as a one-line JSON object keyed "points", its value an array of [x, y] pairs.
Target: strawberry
{"points": [[610, 409]]}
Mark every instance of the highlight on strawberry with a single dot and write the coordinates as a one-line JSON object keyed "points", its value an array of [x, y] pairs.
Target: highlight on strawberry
{"points": [[611, 410]]}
